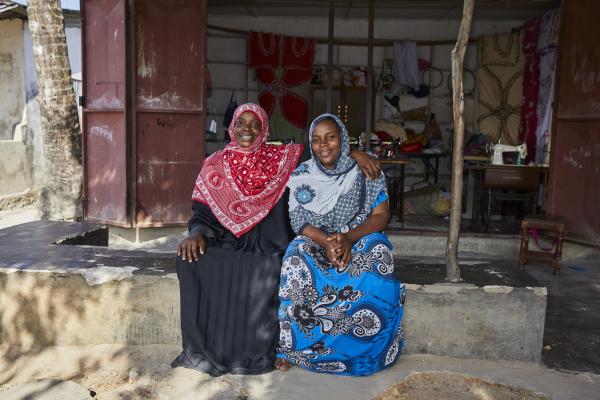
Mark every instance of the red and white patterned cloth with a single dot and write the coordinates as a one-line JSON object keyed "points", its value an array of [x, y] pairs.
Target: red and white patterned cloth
{"points": [[283, 65], [242, 184]]}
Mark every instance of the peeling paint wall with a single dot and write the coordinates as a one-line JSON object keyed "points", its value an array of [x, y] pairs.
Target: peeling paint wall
{"points": [[21, 140], [12, 96], [15, 138]]}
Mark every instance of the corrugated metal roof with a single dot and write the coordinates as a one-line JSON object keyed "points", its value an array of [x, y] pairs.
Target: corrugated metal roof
{"points": [[11, 10], [437, 9]]}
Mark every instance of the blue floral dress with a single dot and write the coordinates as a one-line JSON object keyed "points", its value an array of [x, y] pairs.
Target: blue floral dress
{"points": [[338, 320], [345, 321]]}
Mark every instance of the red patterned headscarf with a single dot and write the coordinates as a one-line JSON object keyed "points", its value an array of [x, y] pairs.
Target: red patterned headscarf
{"points": [[242, 184]]}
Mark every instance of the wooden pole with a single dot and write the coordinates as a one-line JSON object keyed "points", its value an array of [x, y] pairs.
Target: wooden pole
{"points": [[329, 104], [358, 42], [370, 80], [458, 110]]}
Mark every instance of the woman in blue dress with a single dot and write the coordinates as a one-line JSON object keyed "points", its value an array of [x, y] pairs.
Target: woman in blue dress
{"points": [[341, 306]]}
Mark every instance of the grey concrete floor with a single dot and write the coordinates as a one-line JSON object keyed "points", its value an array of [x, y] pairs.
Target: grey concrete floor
{"points": [[572, 328], [115, 372], [572, 331]]}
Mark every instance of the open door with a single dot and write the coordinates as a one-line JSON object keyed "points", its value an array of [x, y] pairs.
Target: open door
{"points": [[574, 186], [144, 120], [170, 48], [104, 108]]}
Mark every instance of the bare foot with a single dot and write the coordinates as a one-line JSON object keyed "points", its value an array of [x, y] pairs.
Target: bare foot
{"points": [[282, 364]]}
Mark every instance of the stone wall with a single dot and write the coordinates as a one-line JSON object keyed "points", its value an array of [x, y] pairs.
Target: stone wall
{"points": [[39, 309]]}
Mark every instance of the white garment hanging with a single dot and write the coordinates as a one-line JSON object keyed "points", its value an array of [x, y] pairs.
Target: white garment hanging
{"points": [[406, 67]]}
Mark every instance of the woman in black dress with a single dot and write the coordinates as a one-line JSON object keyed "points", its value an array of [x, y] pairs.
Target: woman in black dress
{"points": [[229, 266]]}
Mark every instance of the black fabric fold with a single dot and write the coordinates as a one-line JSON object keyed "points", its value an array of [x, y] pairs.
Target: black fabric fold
{"points": [[229, 297]]}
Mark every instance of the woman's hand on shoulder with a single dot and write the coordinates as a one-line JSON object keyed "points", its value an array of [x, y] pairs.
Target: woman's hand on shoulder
{"points": [[368, 164], [192, 247], [342, 249]]}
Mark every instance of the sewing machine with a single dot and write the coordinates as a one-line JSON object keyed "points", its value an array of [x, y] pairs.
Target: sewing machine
{"points": [[498, 149]]}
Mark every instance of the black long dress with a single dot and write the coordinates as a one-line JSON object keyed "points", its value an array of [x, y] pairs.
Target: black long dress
{"points": [[229, 296]]}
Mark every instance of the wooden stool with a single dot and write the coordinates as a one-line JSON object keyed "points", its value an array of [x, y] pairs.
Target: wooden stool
{"points": [[552, 224]]}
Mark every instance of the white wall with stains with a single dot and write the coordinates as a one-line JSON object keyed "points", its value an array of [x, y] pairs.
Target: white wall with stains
{"points": [[15, 148], [21, 147], [12, 94]]}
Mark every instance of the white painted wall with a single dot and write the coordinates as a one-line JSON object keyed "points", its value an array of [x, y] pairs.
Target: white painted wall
{"points": [[15, 148], [34, 123], [21, 148], [73, 35], [12, 96]]}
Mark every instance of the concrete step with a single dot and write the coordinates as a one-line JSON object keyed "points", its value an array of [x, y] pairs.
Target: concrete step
{"points": [[433, 244]]}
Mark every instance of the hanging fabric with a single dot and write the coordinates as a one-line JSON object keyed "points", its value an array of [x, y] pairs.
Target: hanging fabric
{"points": [[284, 71], [500, 86], [546, 48], [264, 50], [406, 66], [228, 115], [531, 87]]}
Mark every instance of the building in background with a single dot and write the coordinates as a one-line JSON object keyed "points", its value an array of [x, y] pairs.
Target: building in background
{"points": [[21, 154]]}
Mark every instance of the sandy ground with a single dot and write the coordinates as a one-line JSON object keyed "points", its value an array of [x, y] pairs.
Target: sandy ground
{"points": [[120, 372]]}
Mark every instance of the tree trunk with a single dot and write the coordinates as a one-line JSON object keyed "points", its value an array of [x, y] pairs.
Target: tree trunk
{"points": [[60, 198], [458, 109]]}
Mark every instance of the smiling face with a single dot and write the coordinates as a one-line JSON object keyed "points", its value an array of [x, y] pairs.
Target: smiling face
{"points": [[326, 143], [246, 129]]}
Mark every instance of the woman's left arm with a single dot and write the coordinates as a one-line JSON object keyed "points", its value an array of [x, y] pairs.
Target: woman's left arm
{"points": [[369, 165], [375, 222]]}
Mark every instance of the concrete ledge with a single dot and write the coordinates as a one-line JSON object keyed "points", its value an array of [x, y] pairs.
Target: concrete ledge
{"points": [[40, 309], [490, 322], [433, 244], [83, 295]]}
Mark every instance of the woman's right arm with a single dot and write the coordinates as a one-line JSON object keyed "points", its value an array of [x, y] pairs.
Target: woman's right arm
{"points": [[202, 224]]}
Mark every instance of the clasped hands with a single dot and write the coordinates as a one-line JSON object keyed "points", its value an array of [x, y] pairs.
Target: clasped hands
{"points": [[338, 247]]}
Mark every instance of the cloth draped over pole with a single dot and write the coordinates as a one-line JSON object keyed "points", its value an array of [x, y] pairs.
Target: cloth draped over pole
{"points": [[546, 48], [531, 86], [406, 67], [283, 66]]}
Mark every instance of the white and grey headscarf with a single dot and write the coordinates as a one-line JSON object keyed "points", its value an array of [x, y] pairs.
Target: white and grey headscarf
{"points": [[333, 200]]}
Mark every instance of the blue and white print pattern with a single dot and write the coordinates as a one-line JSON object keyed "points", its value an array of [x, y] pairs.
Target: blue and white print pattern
{"points": [[341, 321], [304, 194], [300, 169], [338, 320], [343, 196]]}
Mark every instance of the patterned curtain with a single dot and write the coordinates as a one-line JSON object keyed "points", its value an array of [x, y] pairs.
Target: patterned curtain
{"points": [[500, 86]]}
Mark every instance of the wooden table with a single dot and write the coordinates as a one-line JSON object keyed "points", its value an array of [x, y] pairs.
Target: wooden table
{"points": [[517, 178], [396, 184], [431, 161]]}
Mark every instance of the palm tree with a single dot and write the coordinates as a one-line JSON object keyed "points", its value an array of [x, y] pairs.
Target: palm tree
{"points": [[60, 198]]}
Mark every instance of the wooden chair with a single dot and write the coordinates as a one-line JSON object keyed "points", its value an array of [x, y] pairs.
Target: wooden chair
{"points": [[552, 224]]}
